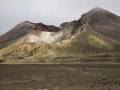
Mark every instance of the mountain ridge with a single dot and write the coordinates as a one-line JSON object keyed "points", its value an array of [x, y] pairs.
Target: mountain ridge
{"points": [[96, 32]]}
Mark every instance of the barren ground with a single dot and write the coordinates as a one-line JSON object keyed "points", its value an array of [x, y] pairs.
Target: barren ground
{"points": [[56, 77]]}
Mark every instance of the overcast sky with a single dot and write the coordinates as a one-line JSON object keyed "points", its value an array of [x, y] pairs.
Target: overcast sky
{"points": [[50, 12]]}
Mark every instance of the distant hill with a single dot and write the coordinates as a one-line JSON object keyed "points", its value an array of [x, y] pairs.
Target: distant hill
{"points": [[97, 32]]}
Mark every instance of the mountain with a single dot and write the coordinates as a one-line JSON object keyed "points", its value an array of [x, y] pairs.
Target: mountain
{"points": [[96, 33]]}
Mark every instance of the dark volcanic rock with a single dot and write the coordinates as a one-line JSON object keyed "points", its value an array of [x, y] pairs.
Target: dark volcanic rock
{"points": [[43, 27], [71, 26], [104, 22], [14, 34]]}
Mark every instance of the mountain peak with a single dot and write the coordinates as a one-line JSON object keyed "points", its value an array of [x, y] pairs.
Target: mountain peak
{"points": [[97, 9], [101, 14]]}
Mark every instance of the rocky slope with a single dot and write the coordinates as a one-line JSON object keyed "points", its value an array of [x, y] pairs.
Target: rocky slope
{"points": [[96, 32]]}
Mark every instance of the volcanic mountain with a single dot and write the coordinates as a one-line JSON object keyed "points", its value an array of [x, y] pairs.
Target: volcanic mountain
{"points": [[97, 32]]}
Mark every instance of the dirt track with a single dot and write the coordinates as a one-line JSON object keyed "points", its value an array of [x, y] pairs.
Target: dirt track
{"points": [[56, 77]]}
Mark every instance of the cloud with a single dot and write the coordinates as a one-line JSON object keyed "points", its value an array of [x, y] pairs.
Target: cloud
{"points": [[51, 12]]}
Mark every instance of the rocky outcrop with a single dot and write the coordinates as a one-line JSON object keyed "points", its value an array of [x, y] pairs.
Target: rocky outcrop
{"points": [[43, 27]]}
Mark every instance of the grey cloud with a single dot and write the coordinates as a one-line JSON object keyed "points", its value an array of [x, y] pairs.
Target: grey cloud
{"points": [[13, 12]]}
